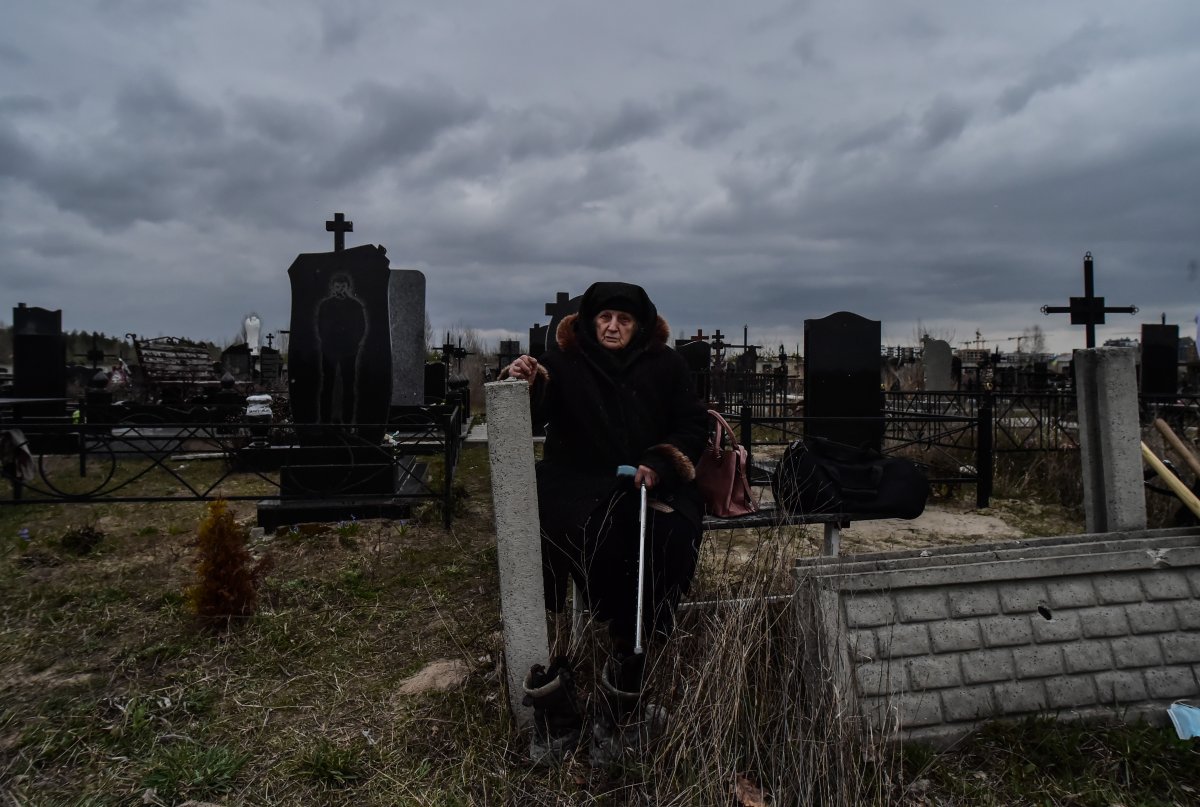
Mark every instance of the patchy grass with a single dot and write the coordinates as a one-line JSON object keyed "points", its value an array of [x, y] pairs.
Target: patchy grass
{"points": [[110, 694]]}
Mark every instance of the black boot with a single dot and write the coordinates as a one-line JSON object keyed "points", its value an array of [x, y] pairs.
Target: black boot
{"points": [[557, 721], [623, 724]]}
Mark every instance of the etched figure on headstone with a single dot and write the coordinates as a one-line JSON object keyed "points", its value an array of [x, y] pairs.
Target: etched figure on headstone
{"points": [[341, 323]]}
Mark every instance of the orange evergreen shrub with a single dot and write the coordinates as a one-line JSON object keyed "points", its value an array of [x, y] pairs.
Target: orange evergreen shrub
{"points": [[227, 578]]}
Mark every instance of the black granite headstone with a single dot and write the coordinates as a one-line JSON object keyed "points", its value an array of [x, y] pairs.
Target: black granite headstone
{"points": [[545, 337], [339, 356], [842, 396], [510, 349], [698, 356], [437, 382], [1160, 360], [39, 353]]}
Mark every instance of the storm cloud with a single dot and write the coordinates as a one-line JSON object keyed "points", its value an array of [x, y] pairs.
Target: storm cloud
{"points": [[161, 164]]}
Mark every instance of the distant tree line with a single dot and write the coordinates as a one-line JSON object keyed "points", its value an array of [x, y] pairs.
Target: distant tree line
{"points": [[80, 342]]}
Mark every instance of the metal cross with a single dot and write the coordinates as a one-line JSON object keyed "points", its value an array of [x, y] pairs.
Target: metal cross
{"points": [[699, 336], [561, 305], [339, 227], [1089, 309]]}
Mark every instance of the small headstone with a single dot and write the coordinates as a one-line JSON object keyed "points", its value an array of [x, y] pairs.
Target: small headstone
{"points": [[437, 382], [698, 356], [937, 358], [510, 349], [406, 313], [270, 365], [843, 401], [339, 356], [1160, 360], [238, 361]]}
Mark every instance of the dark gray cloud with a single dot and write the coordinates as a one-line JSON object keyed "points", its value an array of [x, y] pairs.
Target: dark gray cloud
{"points": [[943, 121], [946, 165]]}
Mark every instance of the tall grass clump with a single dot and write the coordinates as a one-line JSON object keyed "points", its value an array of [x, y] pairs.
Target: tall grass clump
{"points": [[756, 713], [227, 575]]}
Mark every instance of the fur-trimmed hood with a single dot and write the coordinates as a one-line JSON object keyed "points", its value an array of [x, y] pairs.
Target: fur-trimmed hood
{"points": [[568, 340]]}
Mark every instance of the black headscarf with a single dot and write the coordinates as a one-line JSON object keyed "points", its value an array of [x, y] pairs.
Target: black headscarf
{"points": [[615, 296]]}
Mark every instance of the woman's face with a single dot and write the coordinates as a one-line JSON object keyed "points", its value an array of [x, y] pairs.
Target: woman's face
{"points": [[614, 329]]}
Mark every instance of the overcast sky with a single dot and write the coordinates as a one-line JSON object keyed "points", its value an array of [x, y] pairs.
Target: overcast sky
{"points": [[162, 162]]}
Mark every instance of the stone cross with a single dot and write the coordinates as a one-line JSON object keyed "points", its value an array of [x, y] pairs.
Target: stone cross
{"points": [[339, 227], [1089, 309]]}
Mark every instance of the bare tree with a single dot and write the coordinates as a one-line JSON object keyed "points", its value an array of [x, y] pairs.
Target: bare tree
{"points": [[1033, 340]]}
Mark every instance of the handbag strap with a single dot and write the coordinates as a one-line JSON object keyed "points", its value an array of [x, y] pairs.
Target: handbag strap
{"points": [[719, 442]]}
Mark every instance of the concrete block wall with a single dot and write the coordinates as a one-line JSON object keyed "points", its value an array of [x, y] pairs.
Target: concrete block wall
{"points": [[933, 643]]}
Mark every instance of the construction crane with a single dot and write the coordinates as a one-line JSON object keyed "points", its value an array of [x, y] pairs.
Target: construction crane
{"points": [[978, 341]]}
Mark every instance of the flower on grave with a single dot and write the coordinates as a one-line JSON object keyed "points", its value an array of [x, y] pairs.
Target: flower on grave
{"points": [[23, 534]]}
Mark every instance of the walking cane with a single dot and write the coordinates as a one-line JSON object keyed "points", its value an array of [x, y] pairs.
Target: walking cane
{"points": [[637, 646], [629, 470]]}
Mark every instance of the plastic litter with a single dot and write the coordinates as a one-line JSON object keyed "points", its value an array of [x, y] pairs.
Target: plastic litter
{"points": [[1186, 719]]}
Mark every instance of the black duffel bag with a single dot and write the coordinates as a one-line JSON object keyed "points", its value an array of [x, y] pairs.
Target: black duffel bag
{"points": [[820, 476]]}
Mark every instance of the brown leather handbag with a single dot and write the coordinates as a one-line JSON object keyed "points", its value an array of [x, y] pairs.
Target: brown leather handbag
{"points": [[721, 473]]}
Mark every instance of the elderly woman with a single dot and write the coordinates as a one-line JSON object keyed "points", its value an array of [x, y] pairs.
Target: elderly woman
{"points": [[615, 394]]}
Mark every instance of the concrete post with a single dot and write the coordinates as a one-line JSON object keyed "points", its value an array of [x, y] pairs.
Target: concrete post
{"points": [[518, 536], [1114, 497]]}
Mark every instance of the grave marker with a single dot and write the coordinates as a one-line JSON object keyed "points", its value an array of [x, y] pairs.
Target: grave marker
{"points": [[339, 357], [843, 401], [339, 227], [1160, 360], [406, 318], [1089, 309], [937, 358]]}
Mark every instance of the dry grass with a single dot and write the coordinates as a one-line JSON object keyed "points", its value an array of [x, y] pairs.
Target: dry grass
{"points": [[111, 695]]}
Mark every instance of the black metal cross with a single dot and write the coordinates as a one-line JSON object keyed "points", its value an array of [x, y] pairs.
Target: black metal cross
{"points": [[271, 340], [699, 336], [1089, 309], [339, 227], [560, 307]]}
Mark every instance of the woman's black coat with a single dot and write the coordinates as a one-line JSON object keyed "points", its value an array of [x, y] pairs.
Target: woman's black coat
{"points": [[600, 415]]}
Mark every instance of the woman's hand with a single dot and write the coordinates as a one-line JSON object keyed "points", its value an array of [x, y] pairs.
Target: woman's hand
{"points": [[645, 476], [523, 367]]}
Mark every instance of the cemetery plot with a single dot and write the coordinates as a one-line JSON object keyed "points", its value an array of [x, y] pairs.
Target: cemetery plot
{"points": [[246, 462], [171, 364]]}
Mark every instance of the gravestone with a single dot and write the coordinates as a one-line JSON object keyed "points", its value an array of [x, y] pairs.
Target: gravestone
{"points": [[39, 354], [1160, 360], [544, 337], [937, 359], [339, 356], [238, 361], [510, 349], [698, 357], [270, 366], [437, 382], [340, 384], [406, 310], [843, 401]]}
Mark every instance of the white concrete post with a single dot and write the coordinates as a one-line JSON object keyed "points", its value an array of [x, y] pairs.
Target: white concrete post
{"points": [[518, 536], [1114, 496]]}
